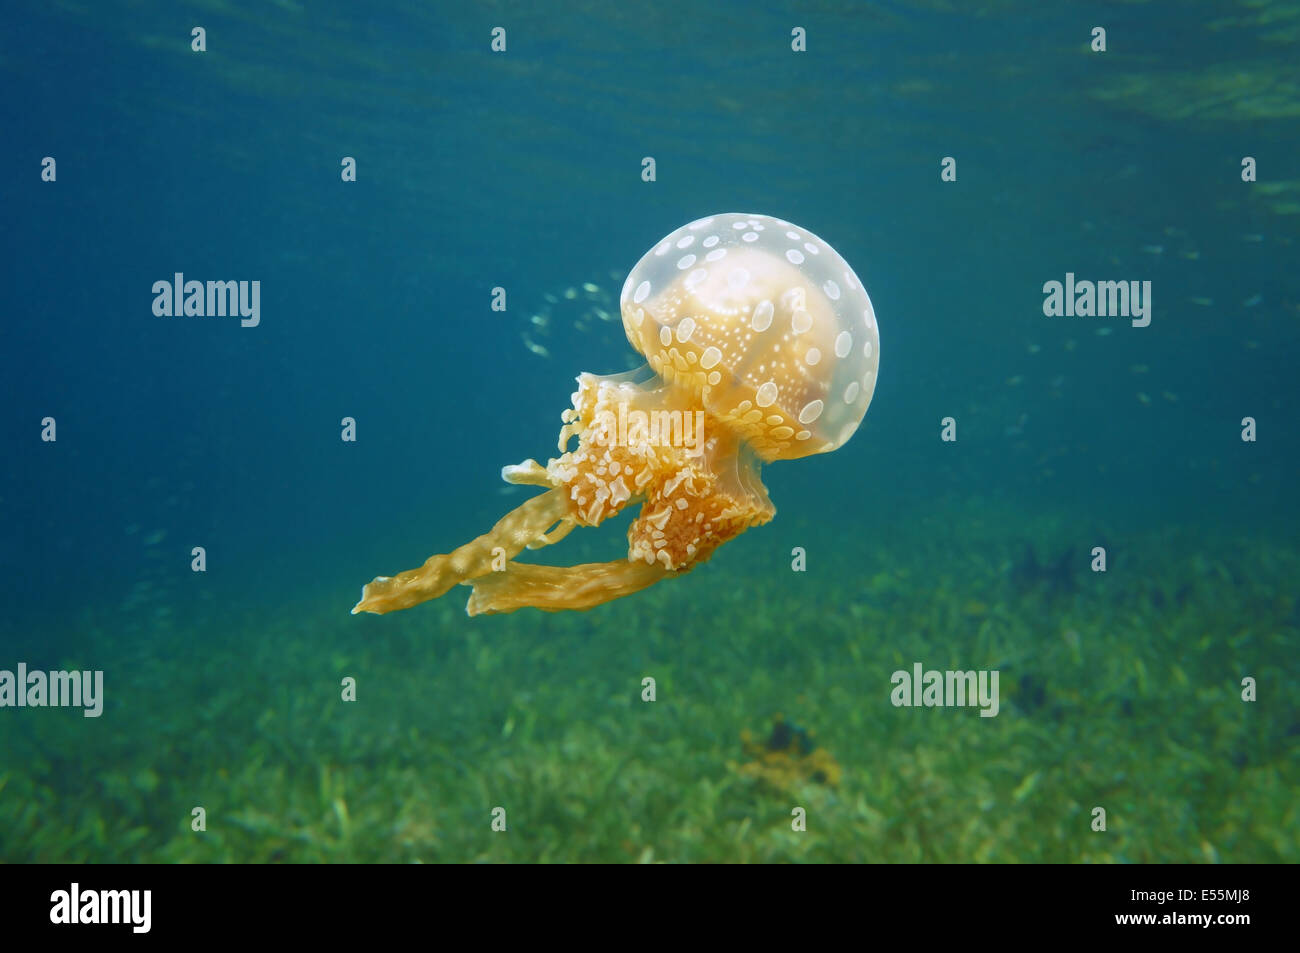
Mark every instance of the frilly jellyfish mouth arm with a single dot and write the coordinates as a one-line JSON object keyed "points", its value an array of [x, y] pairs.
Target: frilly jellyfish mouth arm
{"points": [[555, 588], [518, 529], [500, 589]]}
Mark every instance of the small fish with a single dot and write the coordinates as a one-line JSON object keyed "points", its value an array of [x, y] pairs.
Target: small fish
{"points": [[1102, 332], [1203, 302], [1154, 249], [1169, 396], [591, 289], [1252, 301], [550, 298], [1034, 348], [156, 537], [536, 348], [1190, 255], [1013, 381], [1252, 237], [540, 320], [570, 293], [1143, 398], [1138, 368], [1174, 232]]}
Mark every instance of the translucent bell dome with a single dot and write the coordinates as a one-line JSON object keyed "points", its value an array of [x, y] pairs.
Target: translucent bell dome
{"points": [[766, 322]]}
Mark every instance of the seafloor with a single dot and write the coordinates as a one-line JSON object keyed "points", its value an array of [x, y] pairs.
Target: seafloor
{"points": [[1119, 691]]}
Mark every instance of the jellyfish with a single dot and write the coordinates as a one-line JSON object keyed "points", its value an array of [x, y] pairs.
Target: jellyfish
{"points": [[760, 345]]}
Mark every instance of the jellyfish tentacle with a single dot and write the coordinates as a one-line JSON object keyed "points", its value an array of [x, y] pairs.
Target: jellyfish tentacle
{"points": [[556, 588], [512, 534]]}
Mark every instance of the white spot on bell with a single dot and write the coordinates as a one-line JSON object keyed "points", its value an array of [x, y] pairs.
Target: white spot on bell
{"points": [[811, 411], [766, 395], [642, 292], [762, 319], [843, 344]]}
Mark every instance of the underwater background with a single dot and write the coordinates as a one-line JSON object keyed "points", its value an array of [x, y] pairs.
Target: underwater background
{"points": [[523, 169]]}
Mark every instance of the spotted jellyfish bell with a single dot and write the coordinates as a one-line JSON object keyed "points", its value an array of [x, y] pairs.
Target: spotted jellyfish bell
{"points": [[767, 322]]}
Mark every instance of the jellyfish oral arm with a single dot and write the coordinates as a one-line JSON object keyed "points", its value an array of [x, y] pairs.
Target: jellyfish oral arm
{"points": [[514, 532], [554, 588], [693, 498]]}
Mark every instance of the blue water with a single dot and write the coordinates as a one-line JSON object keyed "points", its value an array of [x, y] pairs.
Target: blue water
{"points": [[523, 170]]}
